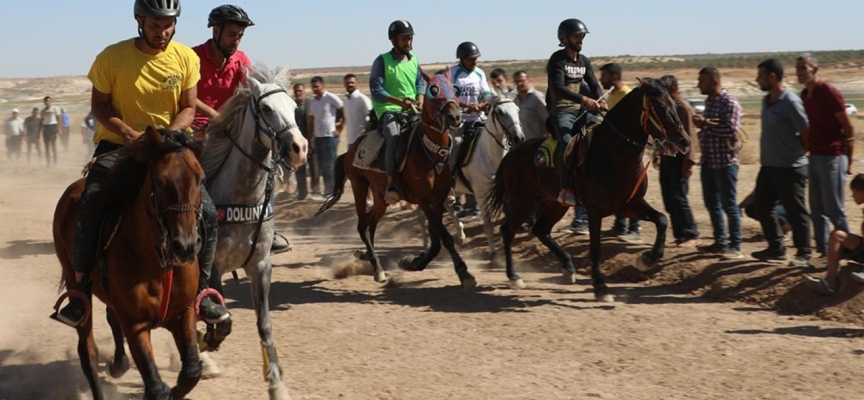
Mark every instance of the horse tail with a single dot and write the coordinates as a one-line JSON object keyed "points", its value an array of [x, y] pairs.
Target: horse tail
{"points": [[497, 195], [339, 178]]}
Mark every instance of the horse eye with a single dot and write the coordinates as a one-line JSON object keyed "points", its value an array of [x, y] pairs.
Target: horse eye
{"points": [[266, 108]]}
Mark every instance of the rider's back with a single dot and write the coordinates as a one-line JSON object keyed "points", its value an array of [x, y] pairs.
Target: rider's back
{"points": [[145, 89]]}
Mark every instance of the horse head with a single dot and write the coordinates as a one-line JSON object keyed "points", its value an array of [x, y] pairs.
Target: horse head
{"points": [[276, 127], [504, 113], [170, 159], [439, 108], [660, 118]]}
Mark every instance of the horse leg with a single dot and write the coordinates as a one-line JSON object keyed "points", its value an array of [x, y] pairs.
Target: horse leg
{"points": [[460, 227], [487, 224], [138, 337], [215, 334], [260, 279], [424, 231], [552, 213], [366, 223], [186, 340], [436, 223], [507, 235], [419, 263], [89, 356], [120, 364], [601, 291], [644, 211]]}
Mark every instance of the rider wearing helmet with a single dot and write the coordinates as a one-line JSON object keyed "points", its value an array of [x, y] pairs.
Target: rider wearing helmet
{"points": [[469, 82], [149, 69], [567, 69], [395, 83]]}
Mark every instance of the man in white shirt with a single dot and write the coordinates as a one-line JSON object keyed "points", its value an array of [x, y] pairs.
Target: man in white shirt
{"points": [[532, 106], [322, 111], [51, 119], [14, 134], [357, 107]]}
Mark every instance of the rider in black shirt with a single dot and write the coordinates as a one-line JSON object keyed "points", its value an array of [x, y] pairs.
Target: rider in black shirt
{"points": [[567, 69]]}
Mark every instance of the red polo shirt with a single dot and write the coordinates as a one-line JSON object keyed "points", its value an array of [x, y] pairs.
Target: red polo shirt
{"points": [[218, 83], [826, 133]]}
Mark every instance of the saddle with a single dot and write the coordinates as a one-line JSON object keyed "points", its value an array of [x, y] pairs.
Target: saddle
{"points": [[465, 151], [373, 146], [545, 155]]}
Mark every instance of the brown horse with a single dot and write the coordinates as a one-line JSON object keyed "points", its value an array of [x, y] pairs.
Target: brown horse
{"points": [[425, 180], [157, 186], [612, 178]]}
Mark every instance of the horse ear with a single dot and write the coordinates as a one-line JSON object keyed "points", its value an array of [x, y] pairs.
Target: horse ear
{"points": [[641, 81], [152, 134], [254, 84]]}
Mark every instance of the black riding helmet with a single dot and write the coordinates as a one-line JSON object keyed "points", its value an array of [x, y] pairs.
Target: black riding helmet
{"points": [[399, 28], [228, 13], [467, 50], [157, 8], [571, 26]]}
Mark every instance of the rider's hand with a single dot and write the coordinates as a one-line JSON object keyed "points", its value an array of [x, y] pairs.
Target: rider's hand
{"points": [[407, 103], [590, 104], [699, 121], [130, 137], [604, 106]]}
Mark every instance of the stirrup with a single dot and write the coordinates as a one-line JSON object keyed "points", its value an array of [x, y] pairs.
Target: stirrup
{"points": [[74, 294], [209, 292], [563, 197]]}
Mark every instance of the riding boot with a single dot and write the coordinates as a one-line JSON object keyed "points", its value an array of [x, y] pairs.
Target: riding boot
{"points": [[566, 195], [390, 164], [210, 312]]}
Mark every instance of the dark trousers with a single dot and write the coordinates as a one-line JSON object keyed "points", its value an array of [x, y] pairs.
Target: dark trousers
{"points": [[33, 140], [568, 124], [621, 226], [674, 188], [788, 185], [310, 170], [49, 136]]}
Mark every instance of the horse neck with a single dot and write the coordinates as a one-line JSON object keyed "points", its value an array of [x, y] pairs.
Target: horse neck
{"points": [[492, 136], [241, 181]]}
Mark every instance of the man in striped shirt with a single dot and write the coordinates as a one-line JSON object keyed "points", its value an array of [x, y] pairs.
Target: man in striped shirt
{"points": [[718, 140]]}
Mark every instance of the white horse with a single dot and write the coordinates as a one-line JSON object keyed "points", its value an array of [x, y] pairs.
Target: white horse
{"points": [[501, 130], [255, 131]]}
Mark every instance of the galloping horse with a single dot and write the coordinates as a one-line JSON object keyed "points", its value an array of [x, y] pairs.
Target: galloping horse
{"points": [[612, 178], [501, 130], [254, 132], [425, 181], [149, 277]]}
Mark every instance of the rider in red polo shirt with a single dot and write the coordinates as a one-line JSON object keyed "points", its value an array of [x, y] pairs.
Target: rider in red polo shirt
{"points": [[223, 68]]}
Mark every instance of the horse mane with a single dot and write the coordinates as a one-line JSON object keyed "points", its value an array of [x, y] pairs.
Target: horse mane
{"points": [[495, 98], [127, 176], [232, 116]]}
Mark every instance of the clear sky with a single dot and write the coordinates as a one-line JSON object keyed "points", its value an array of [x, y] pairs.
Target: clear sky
{"points": [[62, 37]]}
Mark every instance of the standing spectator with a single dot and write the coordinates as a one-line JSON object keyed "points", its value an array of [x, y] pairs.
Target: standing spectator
{"points": [[67, 124], [88, 129], [532, 106], [33, 125], [610, 78], [322, 110], [14, 133], [309, 169], [675, 172], [51, 120], [500, 85], [718, 140], [831, 140], [783, 175], [357, 108]]}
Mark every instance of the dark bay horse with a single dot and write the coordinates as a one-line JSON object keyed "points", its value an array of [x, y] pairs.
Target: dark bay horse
{"points": [[158, 182], [612, 178], [425, 180]]}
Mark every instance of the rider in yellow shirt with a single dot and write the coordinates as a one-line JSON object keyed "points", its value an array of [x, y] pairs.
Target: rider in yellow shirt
{"points": [[147, 80]]}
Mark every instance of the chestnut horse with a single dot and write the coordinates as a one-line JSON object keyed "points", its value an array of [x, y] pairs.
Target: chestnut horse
{"points": [[611, 179], [157, 186], [425, 180]]}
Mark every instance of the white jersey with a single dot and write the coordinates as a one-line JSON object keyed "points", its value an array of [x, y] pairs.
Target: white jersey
{"points": [[471, 87]]}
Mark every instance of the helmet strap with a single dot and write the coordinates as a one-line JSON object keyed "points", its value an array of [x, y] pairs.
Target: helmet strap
{"points": [[218, 40]]}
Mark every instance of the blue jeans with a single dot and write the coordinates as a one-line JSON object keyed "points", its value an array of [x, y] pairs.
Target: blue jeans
{"points": [[621, 227], [580, 216], [827, 184], [325, 149], [719, 188], [567, 125]]}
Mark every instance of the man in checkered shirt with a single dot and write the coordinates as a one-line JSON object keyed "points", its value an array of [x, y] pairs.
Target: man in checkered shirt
{"points": [[718, 140]]}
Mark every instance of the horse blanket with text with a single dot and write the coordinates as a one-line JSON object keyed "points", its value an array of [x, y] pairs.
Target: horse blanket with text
{"points": [[372, 144]]}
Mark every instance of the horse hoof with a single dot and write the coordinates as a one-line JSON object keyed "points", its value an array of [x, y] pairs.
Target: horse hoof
{"points": [[459, 240], [407, 263], [209, 369], [517, 284], [279, 392], [381, 277], [118, 369], [569, 277], [604, 298], [469, 283], [358, 254]]}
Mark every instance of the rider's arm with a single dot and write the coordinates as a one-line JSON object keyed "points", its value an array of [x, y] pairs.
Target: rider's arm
{"points": [[591, 80], [186, 114], [556, 81], [420, 86], [100, 103], [204, 109]]}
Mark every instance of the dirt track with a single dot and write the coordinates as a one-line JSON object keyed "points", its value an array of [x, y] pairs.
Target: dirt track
{"points": [[666, 338]]}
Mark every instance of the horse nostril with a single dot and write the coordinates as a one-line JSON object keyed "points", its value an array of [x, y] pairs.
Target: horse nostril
{"points": [[177, 247], [296, 148]]}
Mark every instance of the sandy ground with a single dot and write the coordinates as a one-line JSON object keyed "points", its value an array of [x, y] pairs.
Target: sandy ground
{"points": [[671, 335]]}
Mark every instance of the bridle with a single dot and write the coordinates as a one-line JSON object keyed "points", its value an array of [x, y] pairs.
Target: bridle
{"points": [[648, 117], [277, 146], [496, 121], [179, 208]]}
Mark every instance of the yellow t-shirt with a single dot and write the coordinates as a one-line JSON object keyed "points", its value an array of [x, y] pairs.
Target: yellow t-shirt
{"points": [[615, 97], [145, 89]]}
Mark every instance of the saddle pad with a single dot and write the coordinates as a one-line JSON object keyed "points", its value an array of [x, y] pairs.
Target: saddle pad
{"points": [[370, 145], [468, 151], [545, 153]]}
